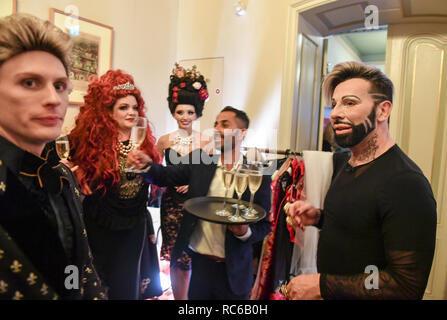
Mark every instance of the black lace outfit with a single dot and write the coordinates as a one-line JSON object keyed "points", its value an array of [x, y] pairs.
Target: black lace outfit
{"points": [[171, 214]]}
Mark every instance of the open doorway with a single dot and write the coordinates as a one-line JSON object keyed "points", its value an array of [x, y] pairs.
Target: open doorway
{"points": [[416, 62], [368, 47]]}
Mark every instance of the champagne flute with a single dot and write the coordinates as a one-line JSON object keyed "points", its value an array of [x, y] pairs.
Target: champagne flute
{"points": [[254, 182], [228, 178], [63, 147], [138, 132], [238, 168], [240, 185], [137, 136]]}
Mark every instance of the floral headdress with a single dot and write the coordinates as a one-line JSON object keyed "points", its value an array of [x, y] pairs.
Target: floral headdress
{"points": [[187, 86]]}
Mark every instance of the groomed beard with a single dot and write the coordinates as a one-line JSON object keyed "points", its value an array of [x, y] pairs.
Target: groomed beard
{"points": [[358, 133]]}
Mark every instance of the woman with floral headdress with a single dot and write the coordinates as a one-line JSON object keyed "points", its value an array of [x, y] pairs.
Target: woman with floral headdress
{"points": [[187, 96], [115, 207]]}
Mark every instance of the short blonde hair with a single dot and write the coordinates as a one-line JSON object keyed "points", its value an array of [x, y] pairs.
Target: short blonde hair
{"points": [[21, 33], [381, 86]]}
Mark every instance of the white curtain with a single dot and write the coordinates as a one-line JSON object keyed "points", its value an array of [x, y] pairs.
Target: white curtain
{"points": [[318, 169]]}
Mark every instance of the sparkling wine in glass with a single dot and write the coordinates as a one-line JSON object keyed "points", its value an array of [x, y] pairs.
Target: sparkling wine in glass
{"points": [[138, 132], [137, 136], [254, 182], [240, 185], [228, 178], [63, 147]]}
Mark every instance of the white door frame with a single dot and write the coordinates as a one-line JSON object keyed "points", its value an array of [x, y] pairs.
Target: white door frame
{"points": [[289, 79]]}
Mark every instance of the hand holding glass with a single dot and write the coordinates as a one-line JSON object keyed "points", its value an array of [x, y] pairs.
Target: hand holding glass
{"points": [[137, 136], [63, 147]]}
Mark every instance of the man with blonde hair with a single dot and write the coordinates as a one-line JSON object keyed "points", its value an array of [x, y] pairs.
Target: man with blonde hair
{"points": [[44, 252], [378, 225]]}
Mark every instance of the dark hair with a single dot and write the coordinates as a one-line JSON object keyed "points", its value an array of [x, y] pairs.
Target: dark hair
{"points": [[241, 115], [187, 87], [381, 86]]}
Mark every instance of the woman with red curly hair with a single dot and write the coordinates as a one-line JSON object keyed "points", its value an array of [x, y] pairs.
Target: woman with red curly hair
{"points": [[115, 207]]}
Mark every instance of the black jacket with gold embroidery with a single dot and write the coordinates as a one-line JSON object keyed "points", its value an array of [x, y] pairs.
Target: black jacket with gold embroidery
{"points": [[44, 252]]}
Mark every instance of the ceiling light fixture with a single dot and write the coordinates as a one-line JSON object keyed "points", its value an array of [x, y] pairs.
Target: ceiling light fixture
{"points": [[241, 7]]}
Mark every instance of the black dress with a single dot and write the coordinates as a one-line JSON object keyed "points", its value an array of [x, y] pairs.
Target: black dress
{"points": [[171, 214], [118, 226]]}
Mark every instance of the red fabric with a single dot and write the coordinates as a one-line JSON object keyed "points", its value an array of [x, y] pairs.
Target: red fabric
{"points": [[295, 191], [277, 296], [262, 289], [203, 94]]}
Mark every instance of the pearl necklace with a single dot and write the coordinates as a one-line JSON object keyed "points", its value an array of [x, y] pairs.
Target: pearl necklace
{"points": [[123, 149]]}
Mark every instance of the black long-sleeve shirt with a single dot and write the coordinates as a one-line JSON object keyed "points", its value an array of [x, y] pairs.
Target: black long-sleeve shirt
{"points": [[382, 214]]}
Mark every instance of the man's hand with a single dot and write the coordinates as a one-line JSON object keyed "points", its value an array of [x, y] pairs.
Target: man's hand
{"points": [[138, 159], [182, 189], [302, 213], [304, 287], [72, 167], [238, 230]]}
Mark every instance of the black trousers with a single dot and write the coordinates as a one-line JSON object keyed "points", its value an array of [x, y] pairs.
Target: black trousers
{"points": [[209, 280]]}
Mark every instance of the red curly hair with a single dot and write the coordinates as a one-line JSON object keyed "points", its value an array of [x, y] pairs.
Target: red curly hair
{"points": [[95, 135]]}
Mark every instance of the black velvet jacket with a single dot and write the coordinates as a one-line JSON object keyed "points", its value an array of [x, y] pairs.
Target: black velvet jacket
{"points": [[44, 252]]}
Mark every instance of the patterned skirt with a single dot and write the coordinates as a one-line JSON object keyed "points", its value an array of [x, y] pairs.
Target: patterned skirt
{"points": [[171, 216]]}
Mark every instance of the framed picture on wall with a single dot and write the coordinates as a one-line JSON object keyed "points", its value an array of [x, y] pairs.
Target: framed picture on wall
{"points": [[92, 49], [7, 7]]}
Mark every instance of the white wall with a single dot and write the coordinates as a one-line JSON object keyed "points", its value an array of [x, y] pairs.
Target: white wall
{"points": [[378, 64], [150, 35], [339, 51], [145, 44], [253, 49]]}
